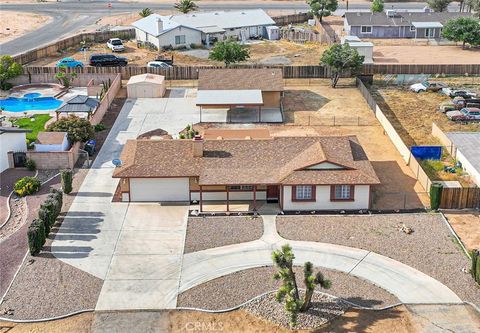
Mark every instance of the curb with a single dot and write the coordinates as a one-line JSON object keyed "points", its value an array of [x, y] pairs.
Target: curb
{"points": [[46, 319]]}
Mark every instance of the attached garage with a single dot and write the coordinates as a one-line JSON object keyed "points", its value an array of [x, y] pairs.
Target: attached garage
{"points": [[159, 189], [146, 86]]}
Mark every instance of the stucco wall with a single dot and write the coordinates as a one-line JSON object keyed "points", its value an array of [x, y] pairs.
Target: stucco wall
{"points": [[383, 32], [10, 142], [214, 196], [362, 199], [191, 37]]}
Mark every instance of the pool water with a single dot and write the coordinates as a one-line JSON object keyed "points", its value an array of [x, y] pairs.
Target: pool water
{"points": [[29, 102]]}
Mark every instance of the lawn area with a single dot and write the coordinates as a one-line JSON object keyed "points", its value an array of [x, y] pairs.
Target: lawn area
{"points": [[36, 124]]}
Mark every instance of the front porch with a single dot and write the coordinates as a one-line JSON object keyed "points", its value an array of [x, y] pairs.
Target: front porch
{"points": [[234, 198]]}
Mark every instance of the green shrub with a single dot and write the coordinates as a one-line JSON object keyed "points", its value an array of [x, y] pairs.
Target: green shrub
{"points": [[100, 127], [6, 86], [57, 195], [26, 185], [66, 180], [31, 165], [36, 236], [476, 266]]}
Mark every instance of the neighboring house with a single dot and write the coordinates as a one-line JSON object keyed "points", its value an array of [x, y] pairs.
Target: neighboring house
{"points": [[299, 173], [465, 150], [12, 139], [393, 24], [201, 27], [364, 49], [51, 141], [82, 106]]}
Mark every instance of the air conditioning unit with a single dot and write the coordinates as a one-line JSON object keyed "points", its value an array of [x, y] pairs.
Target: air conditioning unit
{"points": [[391, 13]]}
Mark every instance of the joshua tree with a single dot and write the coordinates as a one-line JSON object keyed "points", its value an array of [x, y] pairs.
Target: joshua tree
{"points": [[288, 291], [145, 12], [185, 6]]}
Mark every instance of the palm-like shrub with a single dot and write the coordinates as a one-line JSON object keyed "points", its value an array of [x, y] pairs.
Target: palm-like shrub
{"points": [[145, 12], [185, 6]]}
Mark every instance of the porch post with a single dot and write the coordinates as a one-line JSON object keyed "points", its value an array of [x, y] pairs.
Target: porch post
{"points": [[254, 197], [228, 198], [200, 113], [201, 199]]}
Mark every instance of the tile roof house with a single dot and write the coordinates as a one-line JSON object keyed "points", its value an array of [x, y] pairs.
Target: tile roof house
{"points": [[396, 24], [310, 173], [201, 27]]}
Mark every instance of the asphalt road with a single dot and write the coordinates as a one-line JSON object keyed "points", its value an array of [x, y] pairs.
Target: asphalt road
{"points": [[72, 16]]}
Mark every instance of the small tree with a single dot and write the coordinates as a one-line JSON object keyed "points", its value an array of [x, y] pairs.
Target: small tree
{"points": [[463, 29], [322, 8], [8, 70], [288, 291], [229, 51], [67, 178], [185, 6], [145, 12], [377, 6], [439, 5], [342, 59], [79, 130], [64, 78]]}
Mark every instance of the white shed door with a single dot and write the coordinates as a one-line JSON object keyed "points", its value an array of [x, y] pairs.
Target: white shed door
{"points": [[159, 189]]}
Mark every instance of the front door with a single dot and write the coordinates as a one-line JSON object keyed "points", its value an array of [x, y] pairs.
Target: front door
{"points": [[273, 193]]}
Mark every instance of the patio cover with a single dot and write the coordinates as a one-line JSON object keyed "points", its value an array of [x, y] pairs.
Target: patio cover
{"points": [[422, 25], [229, 97], [212, 29]]}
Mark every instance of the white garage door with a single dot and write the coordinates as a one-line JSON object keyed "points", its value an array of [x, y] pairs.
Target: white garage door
{"points": [[159, 189]]}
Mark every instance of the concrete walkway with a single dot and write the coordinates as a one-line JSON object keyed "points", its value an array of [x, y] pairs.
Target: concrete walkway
{"points": [[389, 274]]}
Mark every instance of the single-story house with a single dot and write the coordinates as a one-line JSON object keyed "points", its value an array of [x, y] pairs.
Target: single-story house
{"points": [[201, 27], [396, 24], [82, 106], [52, 141], [12, 139], [298, 173], [146, 86], [465, 150]]}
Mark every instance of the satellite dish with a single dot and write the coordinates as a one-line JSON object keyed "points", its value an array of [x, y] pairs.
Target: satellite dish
{"points": [[117, 162]]}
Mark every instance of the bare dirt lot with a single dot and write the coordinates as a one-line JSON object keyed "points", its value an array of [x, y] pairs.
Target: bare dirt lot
{"points": [[427, 54], [467, 227], [266, 52], [15, 24]]}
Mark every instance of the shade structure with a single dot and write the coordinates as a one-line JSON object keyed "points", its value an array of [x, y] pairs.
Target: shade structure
{"points": [[229, 98]]}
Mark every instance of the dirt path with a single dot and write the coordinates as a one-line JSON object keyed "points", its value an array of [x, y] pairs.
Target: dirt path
{"points": [[430, 54], [15, 24]]}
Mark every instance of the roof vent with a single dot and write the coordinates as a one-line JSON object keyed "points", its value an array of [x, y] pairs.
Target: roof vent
{"points": [[243, 13], [391, 13], [358, 14], [216, 14]]}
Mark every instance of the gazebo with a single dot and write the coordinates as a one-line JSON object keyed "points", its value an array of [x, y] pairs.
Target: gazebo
{"points": [[79, 104]]}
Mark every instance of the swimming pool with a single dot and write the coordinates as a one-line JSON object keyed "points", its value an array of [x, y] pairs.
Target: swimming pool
{"points": [[29, 102]]}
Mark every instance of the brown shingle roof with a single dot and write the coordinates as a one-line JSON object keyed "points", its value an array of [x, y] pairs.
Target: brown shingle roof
{"points": [[50, 138], [269, 161], [264, 79]]}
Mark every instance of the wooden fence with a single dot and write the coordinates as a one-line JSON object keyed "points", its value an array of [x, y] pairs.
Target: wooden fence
{"points": [[73, 41], [460, 198], [292, 19], [304, 36], [289, 72]]}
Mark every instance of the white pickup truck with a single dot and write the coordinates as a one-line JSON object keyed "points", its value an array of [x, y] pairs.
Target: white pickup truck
{"points": [[116, 45]]}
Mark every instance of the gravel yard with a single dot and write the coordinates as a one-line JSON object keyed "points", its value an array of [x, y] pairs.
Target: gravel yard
{"points": [[430, 248], [234, 289], [324, 308], [209, 232]]}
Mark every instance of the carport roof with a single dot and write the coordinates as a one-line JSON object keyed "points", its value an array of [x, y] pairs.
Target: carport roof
{"points": [[229, 97], [278, 160], [427, 25]]}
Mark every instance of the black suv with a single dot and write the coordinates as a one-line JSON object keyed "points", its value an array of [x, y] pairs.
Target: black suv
{"points": [[103, 60]]}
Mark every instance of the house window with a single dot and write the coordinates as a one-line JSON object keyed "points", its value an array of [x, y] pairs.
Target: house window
{"points": [[241, 188], [180, 39], [412, 28], [429, 33], [342, 192], [366, 29], [303, 193]]}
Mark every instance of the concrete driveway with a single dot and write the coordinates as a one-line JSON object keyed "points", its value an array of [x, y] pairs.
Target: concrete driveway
{"points": [[134, 248]]}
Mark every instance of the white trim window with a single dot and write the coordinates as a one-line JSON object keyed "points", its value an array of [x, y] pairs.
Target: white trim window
{"points": [[241, 187], [429, 32], [342, 192], [412, 28], [180, 39], [303, 192], [366, 29]]}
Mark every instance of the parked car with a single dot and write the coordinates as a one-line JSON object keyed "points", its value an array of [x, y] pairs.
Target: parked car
{"points": [[158, 64], [465, 114], [103, 60], [458, 93], [427, 86], [447, 106], [69, 62], [116, 45]]}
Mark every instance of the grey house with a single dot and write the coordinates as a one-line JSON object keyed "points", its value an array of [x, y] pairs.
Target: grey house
{"points": [[392, 24]]}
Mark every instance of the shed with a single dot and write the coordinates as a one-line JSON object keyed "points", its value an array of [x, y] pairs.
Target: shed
{"points": [[146, 86], [51, 141]]}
